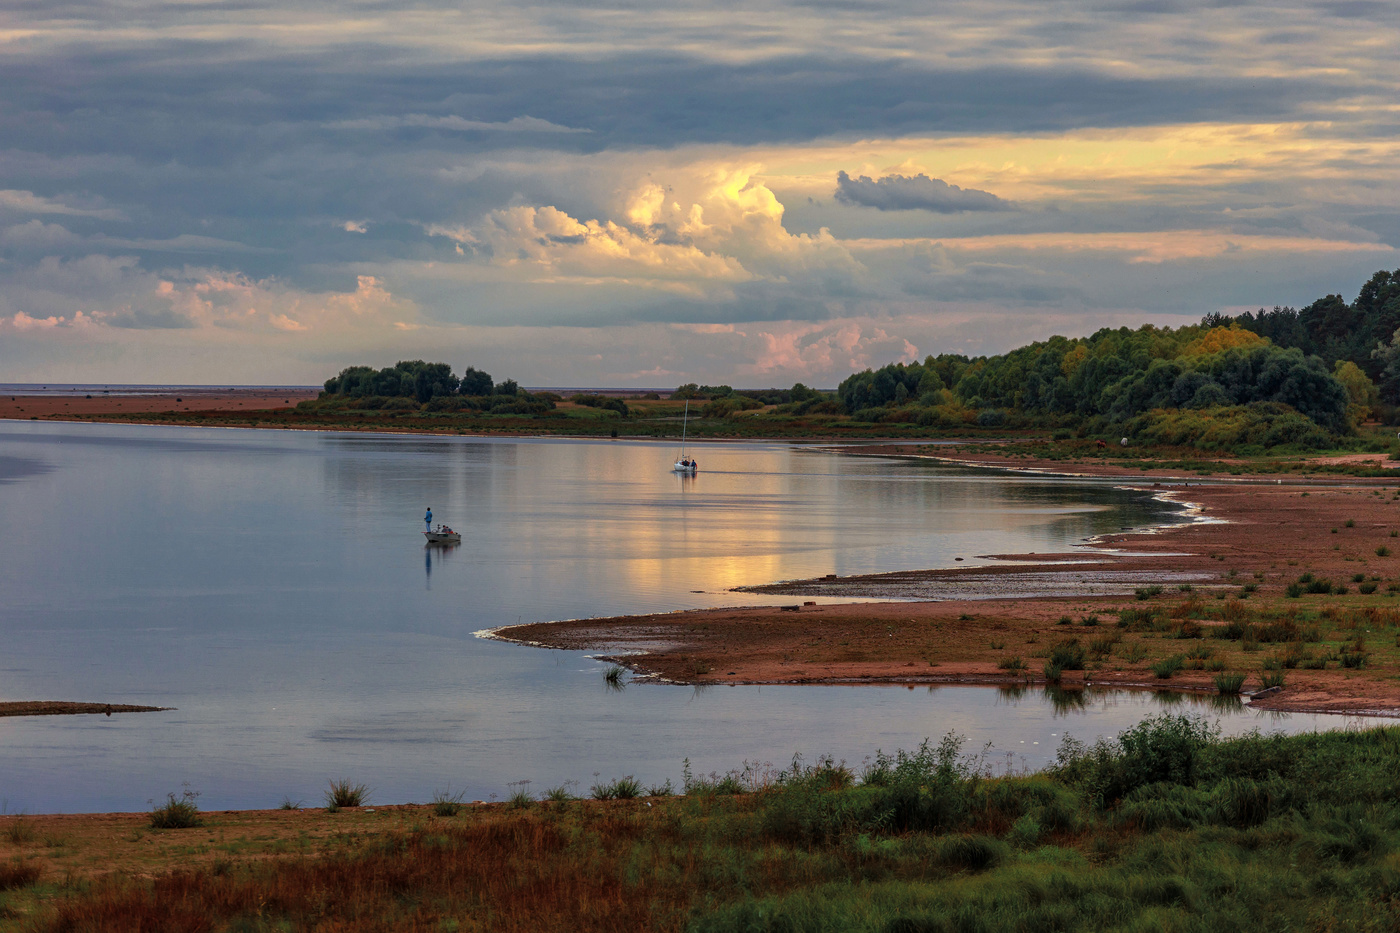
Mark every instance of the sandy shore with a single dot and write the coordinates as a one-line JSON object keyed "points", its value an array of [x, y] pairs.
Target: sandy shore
{"points": [[965, 621]]}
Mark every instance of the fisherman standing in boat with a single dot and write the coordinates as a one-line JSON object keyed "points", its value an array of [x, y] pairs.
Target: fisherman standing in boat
{"points": [[428, 520]]}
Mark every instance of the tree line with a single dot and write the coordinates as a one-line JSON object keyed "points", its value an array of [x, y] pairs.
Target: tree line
{"points": [[1280, 377]]}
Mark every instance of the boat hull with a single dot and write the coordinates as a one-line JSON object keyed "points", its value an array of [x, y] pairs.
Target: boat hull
{"points": [[684, 468], [437, 537]]}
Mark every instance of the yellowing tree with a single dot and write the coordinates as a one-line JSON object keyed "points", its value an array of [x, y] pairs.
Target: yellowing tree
{"points": [[1222, 338], [1361, 390]]}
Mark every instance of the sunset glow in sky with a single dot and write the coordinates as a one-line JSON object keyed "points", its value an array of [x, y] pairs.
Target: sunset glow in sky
{"points": [[599, 193]]}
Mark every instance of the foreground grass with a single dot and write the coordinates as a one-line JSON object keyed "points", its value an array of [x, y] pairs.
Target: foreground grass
{"points": [[1166, 828]]}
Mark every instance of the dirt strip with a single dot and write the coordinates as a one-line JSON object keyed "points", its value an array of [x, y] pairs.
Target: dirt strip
{"points": [[66, 708], [80, 407]]}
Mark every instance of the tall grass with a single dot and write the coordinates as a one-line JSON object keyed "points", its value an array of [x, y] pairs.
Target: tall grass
{"points": [[346, 793], [18, 873], [1229, 684]]}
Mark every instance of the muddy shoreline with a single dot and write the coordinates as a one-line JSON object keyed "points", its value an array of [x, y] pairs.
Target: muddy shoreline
{"points": [[956, 625]]}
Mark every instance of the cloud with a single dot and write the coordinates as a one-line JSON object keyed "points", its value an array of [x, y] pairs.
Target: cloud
{"points": [[354, 226], [36, 235], [524, 124], [915, 193], [27, 202]]}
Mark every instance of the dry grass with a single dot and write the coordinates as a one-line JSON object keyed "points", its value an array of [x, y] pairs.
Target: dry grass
{"points": [[504, 871]]}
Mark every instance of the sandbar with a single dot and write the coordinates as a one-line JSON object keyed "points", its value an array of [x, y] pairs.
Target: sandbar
{"points": [[955, 625]]}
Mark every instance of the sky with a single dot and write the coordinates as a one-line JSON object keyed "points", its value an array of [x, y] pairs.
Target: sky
{"points": [[613, 194]]}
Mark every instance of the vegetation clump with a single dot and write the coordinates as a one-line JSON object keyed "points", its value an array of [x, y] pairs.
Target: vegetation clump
{"points": [[345, 793], [180, 812]]}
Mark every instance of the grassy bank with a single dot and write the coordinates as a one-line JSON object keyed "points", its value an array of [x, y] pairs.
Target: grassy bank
{"points": [[1166, 828]]}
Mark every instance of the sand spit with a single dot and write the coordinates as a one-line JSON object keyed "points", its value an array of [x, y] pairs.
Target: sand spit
{"points": [[67, 708]]}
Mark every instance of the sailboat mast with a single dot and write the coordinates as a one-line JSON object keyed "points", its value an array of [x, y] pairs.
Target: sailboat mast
{"points": [[685, 421]]}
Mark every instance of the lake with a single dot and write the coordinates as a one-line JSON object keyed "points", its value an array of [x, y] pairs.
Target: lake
{"points": [[274, 587]]}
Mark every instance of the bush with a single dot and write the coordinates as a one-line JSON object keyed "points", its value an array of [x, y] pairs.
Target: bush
{"points": [[177, 812], [1163, 748], [624, 788], [603, 402], [1167, 667], [446, 803], [1147, 592], [1067, 655], [20, 873], [1011, 664], [345, 793], [1229, 684]]}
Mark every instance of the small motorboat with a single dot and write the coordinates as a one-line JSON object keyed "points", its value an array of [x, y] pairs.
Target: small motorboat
{"points": [[443, 535]]}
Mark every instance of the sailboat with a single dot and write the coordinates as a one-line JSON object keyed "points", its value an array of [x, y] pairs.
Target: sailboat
{"points": [[685, 464]]}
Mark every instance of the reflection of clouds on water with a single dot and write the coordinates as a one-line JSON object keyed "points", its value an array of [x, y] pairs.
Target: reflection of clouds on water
{"points": [[409, 728]]}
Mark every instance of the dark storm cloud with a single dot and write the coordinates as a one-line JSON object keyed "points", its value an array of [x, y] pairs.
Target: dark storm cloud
{"points": [[915, 193], [223, 140]]}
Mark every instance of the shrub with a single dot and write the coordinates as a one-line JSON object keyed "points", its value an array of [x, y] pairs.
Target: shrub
{"points": [[1053, 672], [345, 793], [1068, 655], [1271, 679], [1382, 551], [970, 853], [20, 832], [624, 788], [1367, 588], [1163, 748], [1228, 684], [1147, 592], [446, 803], [19, 873], [1138, 620], [1011, 664], [177, 812], [520, 796], [1167, 667], [560, 794], [1294, 590]]}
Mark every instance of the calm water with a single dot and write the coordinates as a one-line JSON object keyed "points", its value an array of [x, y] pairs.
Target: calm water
{"points": [[274, 587]]}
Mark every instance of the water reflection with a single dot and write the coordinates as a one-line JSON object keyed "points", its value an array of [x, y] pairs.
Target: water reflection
{"points": [[283, 570], [1067, 700]]}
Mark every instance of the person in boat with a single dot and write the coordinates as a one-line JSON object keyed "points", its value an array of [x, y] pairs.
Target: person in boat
{"points": [[428, 520]]}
